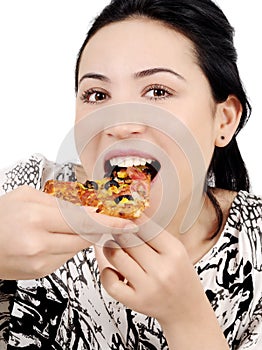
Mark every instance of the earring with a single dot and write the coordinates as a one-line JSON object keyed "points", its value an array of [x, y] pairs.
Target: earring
{"points": [[222, 137]]}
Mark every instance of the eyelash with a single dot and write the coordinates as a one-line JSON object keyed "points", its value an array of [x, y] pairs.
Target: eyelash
{"points": [[169, 93], [86, 95]]}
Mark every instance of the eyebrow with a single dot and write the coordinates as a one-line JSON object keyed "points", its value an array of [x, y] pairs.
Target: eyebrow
{"points": [[138, 75], [148, 72], [96, 76]]}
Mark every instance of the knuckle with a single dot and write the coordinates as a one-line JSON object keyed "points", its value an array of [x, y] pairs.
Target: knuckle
{"points": [[167, 277], [111, 289], [110, 251], [38, 267], [110, 284], [33, 248], [31, 215], [24, 191]]}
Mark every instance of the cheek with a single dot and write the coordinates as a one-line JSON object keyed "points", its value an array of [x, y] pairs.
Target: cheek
{"points": [[205, 138], [79, 109], [201, 126], [197, 112], [88, 154], [190, 157]]}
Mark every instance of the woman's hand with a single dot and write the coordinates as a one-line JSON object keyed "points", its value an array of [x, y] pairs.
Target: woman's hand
{"points": [[38, 232], [157, 278], [158, 274]]}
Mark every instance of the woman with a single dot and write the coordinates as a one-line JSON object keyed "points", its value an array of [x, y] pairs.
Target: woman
{"points": [[196, 290]]}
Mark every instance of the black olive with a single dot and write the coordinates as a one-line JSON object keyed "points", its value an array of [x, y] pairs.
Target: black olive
{"points": [[91, 185], [111, 183], [119, 198]]}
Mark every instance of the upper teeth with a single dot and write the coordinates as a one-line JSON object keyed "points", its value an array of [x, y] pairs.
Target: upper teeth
{"points": [[129, 161]]}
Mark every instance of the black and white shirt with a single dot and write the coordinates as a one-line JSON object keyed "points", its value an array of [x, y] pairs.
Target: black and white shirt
{"points": [[70, 309]]}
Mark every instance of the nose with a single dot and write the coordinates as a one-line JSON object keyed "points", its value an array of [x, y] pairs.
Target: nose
{"points": [[125, 131]]}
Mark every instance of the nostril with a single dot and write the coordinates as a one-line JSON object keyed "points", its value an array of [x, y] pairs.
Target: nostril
{"points": [[125, 130]]}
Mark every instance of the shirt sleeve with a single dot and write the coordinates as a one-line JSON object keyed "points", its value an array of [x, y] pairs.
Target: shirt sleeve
{"points": [[28, 171], [24, 172], [250, 336]]}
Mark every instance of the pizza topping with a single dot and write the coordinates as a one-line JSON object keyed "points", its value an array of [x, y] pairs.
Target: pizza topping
{"points": [[139, 188], [111, 183], [136, 173], [91, 185], [124, 199], [120, 173]]}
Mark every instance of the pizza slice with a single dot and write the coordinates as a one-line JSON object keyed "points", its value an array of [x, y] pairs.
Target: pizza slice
{"points": [[123, 193]]}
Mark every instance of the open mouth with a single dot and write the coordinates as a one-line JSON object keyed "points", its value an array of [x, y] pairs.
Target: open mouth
{"points": [[114, 165]]}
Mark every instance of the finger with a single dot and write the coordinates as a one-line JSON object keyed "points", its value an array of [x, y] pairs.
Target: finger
{"points": [[69, 218], [30, 194], [74, 218], [39, 267], [156, 236], [153, 235], [109, 224], [124, 263], [148, 230], [116, 287], [60, 243], [128, 240], [141, 252]]}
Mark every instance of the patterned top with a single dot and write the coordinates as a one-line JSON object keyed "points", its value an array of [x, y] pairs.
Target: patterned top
{"points": [[70, 309]]}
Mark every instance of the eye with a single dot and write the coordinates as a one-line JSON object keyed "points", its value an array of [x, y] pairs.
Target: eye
{"points": [[158, 92], [94, 96]]}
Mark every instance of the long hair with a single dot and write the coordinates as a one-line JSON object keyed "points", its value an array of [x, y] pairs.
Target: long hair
{"points": [[204, 23]]}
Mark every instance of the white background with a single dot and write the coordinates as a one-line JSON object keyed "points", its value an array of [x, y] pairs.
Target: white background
{"points": [[39, 44]]}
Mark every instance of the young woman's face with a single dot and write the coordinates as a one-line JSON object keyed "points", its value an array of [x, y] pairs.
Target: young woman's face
{"points": [[142, 61]]}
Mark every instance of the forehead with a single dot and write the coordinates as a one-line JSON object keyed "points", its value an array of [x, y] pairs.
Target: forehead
{"points": [[138, 41]]}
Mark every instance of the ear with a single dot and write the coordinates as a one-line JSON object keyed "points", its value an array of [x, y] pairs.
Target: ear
{"points": [[228, 115]]}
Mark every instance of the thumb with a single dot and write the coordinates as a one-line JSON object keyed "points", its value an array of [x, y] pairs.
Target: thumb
{"points": [[89, 224]]}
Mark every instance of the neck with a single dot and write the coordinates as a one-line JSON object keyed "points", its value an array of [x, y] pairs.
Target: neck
{"points": [[194, 212], [195, 229], [199, 238]]}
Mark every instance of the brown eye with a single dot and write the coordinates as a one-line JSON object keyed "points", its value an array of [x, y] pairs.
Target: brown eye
{"points": [[158, 92], [93, 96], [97, 96]]}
